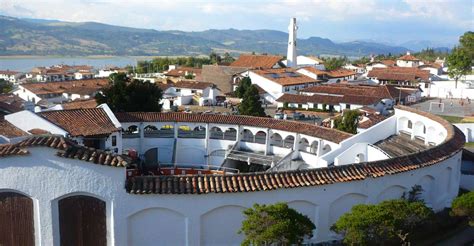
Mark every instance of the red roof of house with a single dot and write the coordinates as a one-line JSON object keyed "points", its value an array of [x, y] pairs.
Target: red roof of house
{"points": [[82, 122], [10, 131], [285, 76], [256, 61], [400, 74], [66, 86], [408, 57]]}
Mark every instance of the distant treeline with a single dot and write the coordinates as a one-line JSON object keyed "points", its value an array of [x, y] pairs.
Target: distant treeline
{"points": [[161, 64]]}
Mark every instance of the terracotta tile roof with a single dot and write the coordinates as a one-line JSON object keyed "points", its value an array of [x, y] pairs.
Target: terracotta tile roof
{"points": [[221, 76], [378, 91], [371, 120], [10, 131], [67, 149], [433, 65], [11, 103], [82, 122], [66, 86], [251, 182], [285, 76], [181, 71], [340, 73], [329, 99], [399, 74], [315, 71], [191, 84], [256, 61], [9, 72], [77, 104], [389, 63], [408, 57], [291, 126], [38, 131]]}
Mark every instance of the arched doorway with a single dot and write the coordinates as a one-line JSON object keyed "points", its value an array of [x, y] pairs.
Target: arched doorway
{"points": [[16, 219], [82, 221]]}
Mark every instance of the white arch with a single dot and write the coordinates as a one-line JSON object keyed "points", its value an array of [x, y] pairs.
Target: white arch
{"points": [[403, 124], [391, 192], [289, 142], [419, 130], [211, 222], [343, 205], [156, 224], [427, 183], [276, 140], [303, 145]]}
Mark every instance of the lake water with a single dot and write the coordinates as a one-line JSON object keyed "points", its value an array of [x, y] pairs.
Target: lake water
{"points": [[25, 64]]}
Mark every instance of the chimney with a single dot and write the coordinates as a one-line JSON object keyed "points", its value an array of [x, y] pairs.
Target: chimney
{"points": [[291, 53], [408, 53]]}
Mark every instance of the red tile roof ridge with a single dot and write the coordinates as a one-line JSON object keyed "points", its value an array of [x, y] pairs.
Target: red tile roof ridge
{"points": [[67, 148], [291, 179]]}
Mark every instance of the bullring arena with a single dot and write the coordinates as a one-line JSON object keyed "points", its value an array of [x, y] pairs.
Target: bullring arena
{"points": [[200, 171]]}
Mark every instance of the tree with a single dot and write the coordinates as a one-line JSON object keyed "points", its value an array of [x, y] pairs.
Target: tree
{"points": [[467, 43], [134, 96], [389, 222], [275, 224], [244, 84], [334, 63], [414, 194], [459, 64], [464, 206], [227, 58], [251, 104], [5, 86], [348, 122], [214, 58]]}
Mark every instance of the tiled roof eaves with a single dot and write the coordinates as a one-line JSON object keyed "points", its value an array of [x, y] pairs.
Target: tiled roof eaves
{"points": [[66, 149], [248, 182]]}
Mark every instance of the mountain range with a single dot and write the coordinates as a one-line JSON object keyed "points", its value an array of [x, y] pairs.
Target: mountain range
{"points": [[52, 37]]}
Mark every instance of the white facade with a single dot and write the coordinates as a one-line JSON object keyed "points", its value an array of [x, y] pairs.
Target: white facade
{"points": [[214, 218]]}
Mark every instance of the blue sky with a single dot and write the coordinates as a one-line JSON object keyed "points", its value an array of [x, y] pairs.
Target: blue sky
{"points": [[387, 21]]}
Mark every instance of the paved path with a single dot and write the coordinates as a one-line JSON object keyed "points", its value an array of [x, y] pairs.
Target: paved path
{"points": [[461, 238]]}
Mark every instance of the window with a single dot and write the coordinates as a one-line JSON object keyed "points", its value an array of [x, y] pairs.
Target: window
{"points": [[178, 90], [348, 106], [114, 140], [410, 124], [193, 91], [427, 85], [287, 88]]}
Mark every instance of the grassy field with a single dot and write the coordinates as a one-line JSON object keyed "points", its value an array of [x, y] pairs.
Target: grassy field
{"points": [[457, 119]]}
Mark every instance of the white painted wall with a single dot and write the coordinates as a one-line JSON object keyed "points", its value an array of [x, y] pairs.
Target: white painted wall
{"points": [[23, 120], [197, 219]]}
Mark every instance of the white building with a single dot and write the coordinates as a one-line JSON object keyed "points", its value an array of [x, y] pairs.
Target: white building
{"points": [[408, 61], [59, 92], [11, 76], [278, 81], [95, 127], [63, 184], [187, 92]]}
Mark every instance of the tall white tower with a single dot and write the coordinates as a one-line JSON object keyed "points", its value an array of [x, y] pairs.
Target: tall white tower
{"points": [[291, 53]]}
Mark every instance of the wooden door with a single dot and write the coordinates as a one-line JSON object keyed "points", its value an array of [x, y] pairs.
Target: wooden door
{"points": [[16, 219], [82, 221]]}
